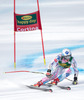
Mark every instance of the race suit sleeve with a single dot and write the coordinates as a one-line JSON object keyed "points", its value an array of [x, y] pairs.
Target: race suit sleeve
{"points": [[74, 65], [51, 64], [55, 61]]}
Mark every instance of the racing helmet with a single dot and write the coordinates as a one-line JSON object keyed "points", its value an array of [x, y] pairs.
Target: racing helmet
{"points": [[66, 53]]}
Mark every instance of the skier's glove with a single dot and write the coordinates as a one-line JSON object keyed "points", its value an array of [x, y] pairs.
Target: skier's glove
{"points": [[48, 74], [75, 82]]}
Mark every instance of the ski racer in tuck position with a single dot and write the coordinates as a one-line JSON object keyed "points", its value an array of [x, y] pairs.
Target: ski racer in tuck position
{"points": [[61, 70]]}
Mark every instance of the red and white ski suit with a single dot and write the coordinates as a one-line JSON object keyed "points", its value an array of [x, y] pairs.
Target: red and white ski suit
{"points": [[61, 70]]}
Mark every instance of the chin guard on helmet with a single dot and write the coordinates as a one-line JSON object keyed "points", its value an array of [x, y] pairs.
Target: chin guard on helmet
{"points": [[67, 57]]}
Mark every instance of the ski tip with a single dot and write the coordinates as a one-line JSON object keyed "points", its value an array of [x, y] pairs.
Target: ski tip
{"points": [[50, 90], [68, 88]]}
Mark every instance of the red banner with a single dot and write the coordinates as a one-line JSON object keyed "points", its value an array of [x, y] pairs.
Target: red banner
{"points": [[27, 22]]}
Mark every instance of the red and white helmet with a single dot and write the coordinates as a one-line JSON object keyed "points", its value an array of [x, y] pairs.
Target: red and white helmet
{"points": [[66, 53]]}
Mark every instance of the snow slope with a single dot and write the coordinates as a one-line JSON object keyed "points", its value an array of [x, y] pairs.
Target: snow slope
{"points": [[63, 27]]}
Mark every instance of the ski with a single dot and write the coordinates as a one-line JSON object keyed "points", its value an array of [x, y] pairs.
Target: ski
{"points": [[65, 87], [38, 88], [62, 87]]}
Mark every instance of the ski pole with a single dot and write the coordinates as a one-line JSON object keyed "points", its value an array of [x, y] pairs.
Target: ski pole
{"points": [[25, 71], [69, 79], [32, 72]]}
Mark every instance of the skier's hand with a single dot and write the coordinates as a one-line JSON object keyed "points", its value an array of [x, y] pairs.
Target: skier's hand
{"points": [[75, 82], [48, 74]]}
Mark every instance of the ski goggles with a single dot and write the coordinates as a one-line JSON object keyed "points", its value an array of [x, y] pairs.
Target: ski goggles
{"points": [[67, 57]]}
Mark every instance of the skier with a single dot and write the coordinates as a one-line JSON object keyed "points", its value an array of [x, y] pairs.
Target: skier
{"points": [[61, 69]]}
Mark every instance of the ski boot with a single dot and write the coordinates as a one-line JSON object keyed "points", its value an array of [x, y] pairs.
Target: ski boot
{"points": [[38, 84], [55, 81]]}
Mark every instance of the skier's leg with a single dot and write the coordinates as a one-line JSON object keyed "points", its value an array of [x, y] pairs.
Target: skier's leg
{"points": [[46, 79], [58, 70], [43, 81], [64, 75], [56, 79]]}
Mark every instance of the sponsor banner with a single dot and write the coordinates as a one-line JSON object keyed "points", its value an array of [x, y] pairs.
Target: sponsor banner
{"points": [[27, 22]]}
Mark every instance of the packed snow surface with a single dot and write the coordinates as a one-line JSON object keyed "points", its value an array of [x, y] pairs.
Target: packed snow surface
{"points": [[63, 27]]}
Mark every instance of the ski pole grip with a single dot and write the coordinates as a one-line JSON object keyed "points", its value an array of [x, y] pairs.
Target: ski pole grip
{"points": [[49, 70]]}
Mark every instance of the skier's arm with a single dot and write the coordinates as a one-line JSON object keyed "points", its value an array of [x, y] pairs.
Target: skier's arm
{"points": [[48, 74], [74, 65], [55, 61], [51, 64]]}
